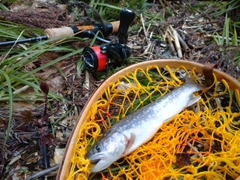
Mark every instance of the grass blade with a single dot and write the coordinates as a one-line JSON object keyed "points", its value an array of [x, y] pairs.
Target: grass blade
{"points": [[10, 106]]}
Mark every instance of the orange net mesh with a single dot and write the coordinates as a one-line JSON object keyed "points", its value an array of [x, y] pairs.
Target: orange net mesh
{"points": [[202, 142]]}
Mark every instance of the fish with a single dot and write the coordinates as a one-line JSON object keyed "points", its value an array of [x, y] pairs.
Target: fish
{"points": [[139, 127]]}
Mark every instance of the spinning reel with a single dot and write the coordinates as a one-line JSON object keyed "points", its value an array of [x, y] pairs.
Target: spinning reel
{"points": [[111, 54]]}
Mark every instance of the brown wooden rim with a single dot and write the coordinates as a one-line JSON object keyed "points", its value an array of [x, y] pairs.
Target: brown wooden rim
{"points": [[65, 165]]}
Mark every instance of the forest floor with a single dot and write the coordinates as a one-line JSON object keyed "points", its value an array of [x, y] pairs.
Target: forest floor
{"points": [[41, 126]]}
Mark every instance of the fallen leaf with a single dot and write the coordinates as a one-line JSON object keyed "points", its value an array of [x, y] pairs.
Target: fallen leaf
{"points": [[182, 159], [58, 155]]}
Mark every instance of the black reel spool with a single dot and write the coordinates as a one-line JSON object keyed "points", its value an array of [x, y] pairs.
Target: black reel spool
{"points": [[98, 58]]}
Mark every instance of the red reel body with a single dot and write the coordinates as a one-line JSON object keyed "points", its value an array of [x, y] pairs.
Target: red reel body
{"points": [[94, 59]]}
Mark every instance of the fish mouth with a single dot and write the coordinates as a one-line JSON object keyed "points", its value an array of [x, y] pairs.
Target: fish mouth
{"points": [[101, 165], [94, 161], [101, 161]]}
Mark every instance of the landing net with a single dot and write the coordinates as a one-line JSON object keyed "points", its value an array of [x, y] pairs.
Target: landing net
{"points": [[202, 142]]}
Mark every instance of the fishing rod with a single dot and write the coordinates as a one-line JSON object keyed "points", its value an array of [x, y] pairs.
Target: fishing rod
{"points": [[95, 58], [83, 31]]}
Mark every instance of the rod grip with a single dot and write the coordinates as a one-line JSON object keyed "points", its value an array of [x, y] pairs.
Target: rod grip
{"points": [[58, 32], [115, 26], [112, 27]]}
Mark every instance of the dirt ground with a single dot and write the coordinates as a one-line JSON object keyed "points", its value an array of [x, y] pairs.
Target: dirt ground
{"points": [[32, 127]]}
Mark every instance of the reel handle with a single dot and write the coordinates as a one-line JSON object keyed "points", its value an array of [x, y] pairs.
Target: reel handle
{"points": [[126, 18]]}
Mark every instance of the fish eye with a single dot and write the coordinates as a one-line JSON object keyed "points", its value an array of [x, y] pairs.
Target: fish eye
{"points": [[98, 148]]}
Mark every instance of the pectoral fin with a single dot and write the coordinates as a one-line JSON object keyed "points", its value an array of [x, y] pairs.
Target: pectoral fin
{"points": [[193, 100], [130, 142]]}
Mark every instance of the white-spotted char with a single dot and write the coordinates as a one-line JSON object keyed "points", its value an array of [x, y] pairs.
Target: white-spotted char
{"points": [[140, 126]]}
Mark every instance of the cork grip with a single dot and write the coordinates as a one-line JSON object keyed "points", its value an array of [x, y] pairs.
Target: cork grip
{"points": [[59, 32], [115, 26], [68, 31]]}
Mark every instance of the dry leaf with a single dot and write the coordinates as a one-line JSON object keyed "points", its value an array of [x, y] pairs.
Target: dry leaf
{"points": [[58, 155]]}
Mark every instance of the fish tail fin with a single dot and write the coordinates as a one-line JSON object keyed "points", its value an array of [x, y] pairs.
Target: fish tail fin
{"points": [[189, 80]]}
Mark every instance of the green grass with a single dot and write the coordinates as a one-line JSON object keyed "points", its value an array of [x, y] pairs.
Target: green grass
{"points": [[14, 65], [229, 38], [225, 6], [229, 34], [9, 88], [14, 59]]}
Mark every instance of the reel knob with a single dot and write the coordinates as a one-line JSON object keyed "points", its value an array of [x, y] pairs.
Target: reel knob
{"points": [[126, 18]]}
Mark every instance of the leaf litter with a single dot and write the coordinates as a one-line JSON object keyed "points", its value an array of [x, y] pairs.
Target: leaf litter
{"points": [[182, 35]]}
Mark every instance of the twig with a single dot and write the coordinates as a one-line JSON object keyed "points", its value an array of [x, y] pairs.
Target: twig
{"points": [[44, 172], [170, 39], [143, 26], [146, 35], [184, 45], [151, 35], [86, 84], [144, 29], [195, 149], [140, 29], [148, 30], [176, 41], [21, 89], [147, 48]]}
